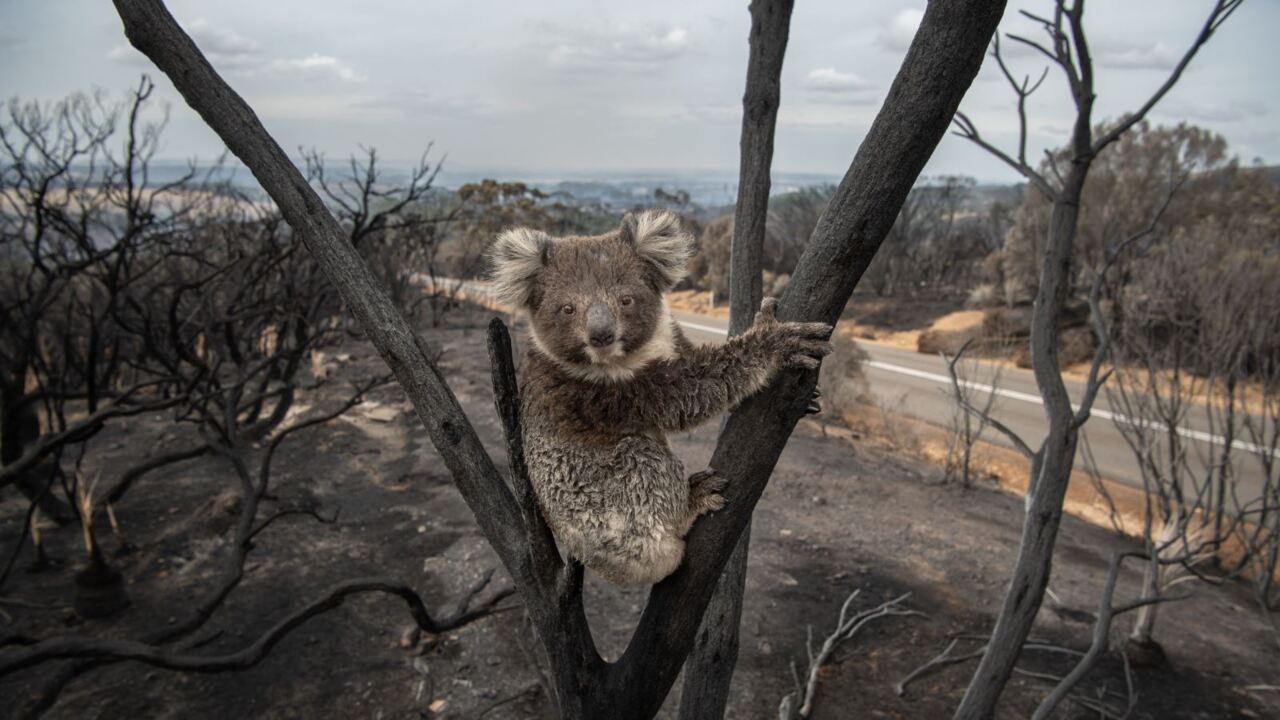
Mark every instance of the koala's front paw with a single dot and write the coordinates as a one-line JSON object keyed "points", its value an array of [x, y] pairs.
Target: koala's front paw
{"points": [[799, 345]]}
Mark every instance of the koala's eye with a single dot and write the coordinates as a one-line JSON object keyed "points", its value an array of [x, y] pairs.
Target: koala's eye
{"points": [[567, 309], [626, 300]]}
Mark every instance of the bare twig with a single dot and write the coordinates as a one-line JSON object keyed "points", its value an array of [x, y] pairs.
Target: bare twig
{"points": [[941, 660], [966, 129], [133, 474], [959, 389], [1222, 9], [846, 627]]}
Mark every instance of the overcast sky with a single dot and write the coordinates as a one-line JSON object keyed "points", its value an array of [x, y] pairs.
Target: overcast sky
{"points": [[541, 87]]}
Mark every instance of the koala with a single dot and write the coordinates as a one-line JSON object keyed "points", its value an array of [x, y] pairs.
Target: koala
{"points": [[609, 373]]}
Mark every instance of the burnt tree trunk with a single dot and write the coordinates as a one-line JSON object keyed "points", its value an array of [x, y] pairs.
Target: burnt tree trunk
{"points": [[709, 670], [939, 67], [1050, 472], [19, 429]]}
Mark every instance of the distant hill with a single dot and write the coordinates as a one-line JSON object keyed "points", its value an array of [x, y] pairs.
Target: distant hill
{"points": [[708, 190]]}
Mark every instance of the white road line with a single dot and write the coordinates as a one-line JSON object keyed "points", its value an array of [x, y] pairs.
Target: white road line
{"points": [[704, 328], [944, 380], [1117, 418]]}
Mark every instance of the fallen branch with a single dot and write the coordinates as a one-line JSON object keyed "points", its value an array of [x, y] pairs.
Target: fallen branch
{"points": [[941, 660], [846, 627], [163, 657], [945, 659], [133, 474], [288, 512]]}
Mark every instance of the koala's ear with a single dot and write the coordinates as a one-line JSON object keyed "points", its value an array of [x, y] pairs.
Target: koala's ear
{"points": [[515, 259], [660, 240]]}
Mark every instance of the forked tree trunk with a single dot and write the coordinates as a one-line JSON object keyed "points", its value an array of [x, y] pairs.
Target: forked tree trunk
{"points": [[19, 429], [709, 671]]}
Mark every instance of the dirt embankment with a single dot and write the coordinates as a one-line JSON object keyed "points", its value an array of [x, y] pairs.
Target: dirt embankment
{"points": [[840, 514]]}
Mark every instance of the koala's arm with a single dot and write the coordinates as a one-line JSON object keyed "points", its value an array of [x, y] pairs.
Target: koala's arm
{"points": [[708, 380]]}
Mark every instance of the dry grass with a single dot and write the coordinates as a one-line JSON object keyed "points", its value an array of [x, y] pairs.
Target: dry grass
{"points": [[697, 301]]}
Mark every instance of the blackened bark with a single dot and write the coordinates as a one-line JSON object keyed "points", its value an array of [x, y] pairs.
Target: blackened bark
{"points": [[560, 619], [709, 670], [770, 26], [19, 430], [708, 673], [169, 658]]}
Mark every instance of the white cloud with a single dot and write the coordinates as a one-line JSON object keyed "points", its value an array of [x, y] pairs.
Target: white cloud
{"points": [[711, 114], [825, 116], [302, 106], [617, 47], [901, 30], [1053, 129], [126, 54], [606, 85], [1128, 55], [830, 80], [225, 48], [1205, 112], [420, 103], [235, 54], [315, 65]]}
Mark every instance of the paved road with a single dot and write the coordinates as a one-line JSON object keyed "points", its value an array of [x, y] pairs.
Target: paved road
{"points": [[918, 385]]}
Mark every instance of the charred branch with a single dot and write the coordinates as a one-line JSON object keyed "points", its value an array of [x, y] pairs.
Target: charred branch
{"points": [[171, 659]]}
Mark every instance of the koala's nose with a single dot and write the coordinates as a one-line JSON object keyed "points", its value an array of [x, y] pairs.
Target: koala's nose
{"points": [[600, 325]]}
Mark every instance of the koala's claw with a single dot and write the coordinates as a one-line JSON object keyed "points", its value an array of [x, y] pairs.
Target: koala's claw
{"points": [[704, 491], [803, 362], [815, 406], [768, 313], [799, 345], [805, 353]]}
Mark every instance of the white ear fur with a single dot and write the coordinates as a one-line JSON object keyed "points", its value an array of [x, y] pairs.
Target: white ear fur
{"points": [[515, 259], [659, 239]]}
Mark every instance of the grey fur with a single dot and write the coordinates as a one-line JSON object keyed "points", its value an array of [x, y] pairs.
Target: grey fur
{"points": [[595, 421], [517, 256], [659, 238]]}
